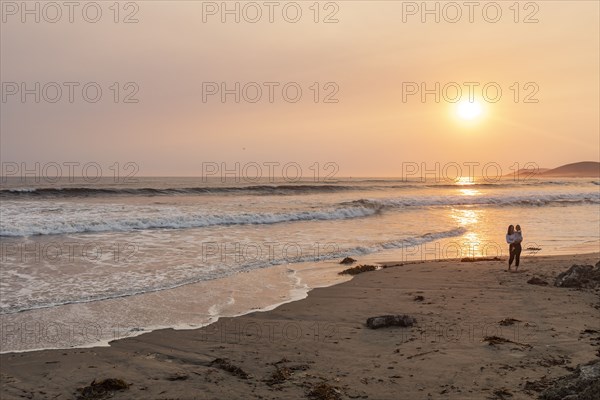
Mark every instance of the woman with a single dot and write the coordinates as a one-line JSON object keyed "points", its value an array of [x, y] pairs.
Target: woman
{"points": [[510, 239], [518, 238]]}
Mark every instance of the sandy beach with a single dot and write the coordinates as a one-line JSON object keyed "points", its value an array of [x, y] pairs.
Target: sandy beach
{"points": [[181, 182], [320, 347]]}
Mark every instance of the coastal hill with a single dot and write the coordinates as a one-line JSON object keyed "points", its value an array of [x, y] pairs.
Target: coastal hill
{"points": [[584, 169]]}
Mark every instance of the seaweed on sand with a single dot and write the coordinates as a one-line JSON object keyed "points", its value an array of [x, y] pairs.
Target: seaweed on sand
{"points": [[494, 340], [229, 367], [324, 391], [358, 269]]}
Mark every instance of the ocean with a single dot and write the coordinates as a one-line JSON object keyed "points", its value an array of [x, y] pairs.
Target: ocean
{"points": [[85, 263]]}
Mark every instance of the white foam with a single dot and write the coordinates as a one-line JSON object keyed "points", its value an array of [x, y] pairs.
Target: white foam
{"points": [[20, 219], [124, 283]]}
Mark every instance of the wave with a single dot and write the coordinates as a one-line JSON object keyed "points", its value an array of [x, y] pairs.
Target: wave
{"points": [[69, 218], [396, 244], [523, 200], [102, 222], [89, 191], [200, 272], [274, 189]]}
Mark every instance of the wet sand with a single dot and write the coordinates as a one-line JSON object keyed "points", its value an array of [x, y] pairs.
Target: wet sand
{"points": [[321, 344]]}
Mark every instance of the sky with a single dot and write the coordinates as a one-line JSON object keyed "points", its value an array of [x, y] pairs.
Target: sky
{"points": [[361, 67]]}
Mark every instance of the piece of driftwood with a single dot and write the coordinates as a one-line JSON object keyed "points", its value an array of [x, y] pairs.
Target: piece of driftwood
{"points": [[384, 321]]}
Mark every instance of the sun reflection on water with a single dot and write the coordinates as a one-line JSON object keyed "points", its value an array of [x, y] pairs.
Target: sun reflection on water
{"points": [[469, 192], [474, 243], [465, 180]]}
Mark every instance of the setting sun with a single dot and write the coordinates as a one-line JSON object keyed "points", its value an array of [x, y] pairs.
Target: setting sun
{"points": [[468, 110]]}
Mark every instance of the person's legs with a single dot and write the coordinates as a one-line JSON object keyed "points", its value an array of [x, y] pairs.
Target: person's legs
{"points": [[517, 252], [511, 252]]}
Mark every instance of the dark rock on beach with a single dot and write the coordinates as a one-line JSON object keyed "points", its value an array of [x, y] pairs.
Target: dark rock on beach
{"points": [[508, 321], [384, 321], [102, 389], [537, 281], [582, 384], [579, 276], [347, 261]]}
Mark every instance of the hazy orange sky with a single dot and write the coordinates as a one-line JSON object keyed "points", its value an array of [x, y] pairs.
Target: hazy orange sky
{"points": [[369, 54]]}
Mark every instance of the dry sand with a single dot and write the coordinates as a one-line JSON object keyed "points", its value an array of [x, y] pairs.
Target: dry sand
{"points": [[289, 351]]}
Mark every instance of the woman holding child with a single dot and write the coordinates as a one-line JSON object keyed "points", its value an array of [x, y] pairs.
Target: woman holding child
{"points": [[514, 237]]}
